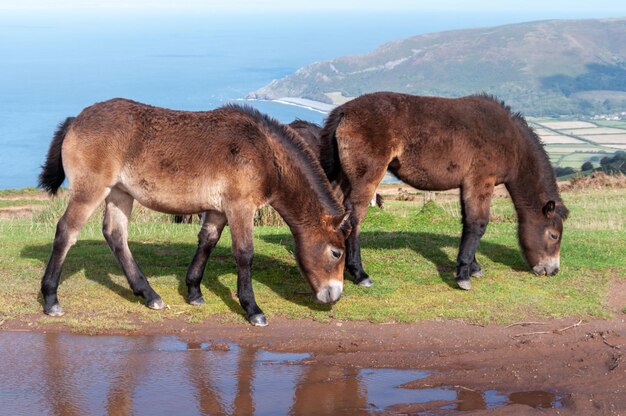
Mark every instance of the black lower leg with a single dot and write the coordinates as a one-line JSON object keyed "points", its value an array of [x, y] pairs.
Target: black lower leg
{"points": [[254, 314], [354, 264], [194, 276], [52, 275], [475, 269], [136, 279], [212, 225], [472, 232], [195, 273]]}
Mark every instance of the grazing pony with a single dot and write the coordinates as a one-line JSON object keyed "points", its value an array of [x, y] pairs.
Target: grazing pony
{"points": [[308, 131], [228, 163], [473, 143]]}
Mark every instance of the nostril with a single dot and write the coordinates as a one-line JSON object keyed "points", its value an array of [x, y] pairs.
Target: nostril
{"points": [[325, 295], [322, 295], [555, 271], [330, 293]]}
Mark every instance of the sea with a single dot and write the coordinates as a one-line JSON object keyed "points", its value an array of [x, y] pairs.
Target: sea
{"points": [[55, 63]]}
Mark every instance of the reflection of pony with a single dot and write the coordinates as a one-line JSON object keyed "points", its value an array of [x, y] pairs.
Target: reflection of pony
{"points": [[437, 144], [227, 162]]}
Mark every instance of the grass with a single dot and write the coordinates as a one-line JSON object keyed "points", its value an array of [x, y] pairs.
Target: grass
{"points": [[21, 192], [609, 123], [20, 202], [409, 250]]}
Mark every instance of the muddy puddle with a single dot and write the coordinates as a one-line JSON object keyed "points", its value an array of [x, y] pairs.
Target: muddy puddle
{"points": [[62, 374]]}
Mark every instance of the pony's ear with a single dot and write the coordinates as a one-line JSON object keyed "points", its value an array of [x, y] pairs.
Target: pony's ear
{"points": [[548, 209], [342, 222]]}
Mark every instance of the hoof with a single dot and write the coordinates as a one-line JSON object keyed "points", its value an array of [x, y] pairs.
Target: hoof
{"points": [[197, 301], [367, 282], [478, 273], [55, 310], [258, 320], [464, 284], [156, 304]]}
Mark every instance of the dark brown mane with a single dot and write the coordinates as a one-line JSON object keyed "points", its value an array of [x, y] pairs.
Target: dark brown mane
{"points": [[301, 154]]}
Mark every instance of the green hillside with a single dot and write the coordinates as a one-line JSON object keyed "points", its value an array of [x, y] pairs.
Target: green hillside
{"points": [[554, 67]]}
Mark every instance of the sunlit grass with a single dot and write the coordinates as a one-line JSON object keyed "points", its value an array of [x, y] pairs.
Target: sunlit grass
{"points": [[408, 248]]}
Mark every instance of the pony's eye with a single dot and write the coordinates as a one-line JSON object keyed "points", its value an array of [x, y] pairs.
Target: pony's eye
{"points": [[554, 236], [336, 253]]}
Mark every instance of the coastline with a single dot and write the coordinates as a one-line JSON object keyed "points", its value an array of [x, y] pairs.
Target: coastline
{"points": [[312, 105]]}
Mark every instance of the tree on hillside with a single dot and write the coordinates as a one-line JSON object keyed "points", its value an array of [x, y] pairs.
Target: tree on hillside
{"points": [[586, 166], [559, 171], [614, 164]]}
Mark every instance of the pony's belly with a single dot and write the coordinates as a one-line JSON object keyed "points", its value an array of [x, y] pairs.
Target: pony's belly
{"points": [[428, 178], [185, 199], [179, 206]]}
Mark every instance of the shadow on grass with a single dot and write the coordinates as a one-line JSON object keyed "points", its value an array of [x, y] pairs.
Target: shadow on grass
{"points": [[429, 246], [167, 259]]}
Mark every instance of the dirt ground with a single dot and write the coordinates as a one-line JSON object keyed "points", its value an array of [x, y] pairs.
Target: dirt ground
{"points": [[582, 362]]}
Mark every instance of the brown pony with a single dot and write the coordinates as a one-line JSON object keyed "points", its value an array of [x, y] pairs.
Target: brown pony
{"points": [[473, 143], [227, 163], [311, 133]]}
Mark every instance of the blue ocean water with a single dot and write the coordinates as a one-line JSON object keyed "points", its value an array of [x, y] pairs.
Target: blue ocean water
{"points": [[53, 65]]}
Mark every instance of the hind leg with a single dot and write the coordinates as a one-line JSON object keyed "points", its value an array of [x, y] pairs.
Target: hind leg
{"points": [[210, 233], [81, 205], [475, 207], [119, 205]]}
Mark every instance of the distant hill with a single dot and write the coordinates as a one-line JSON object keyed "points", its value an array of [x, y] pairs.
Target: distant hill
{"points": [[552, 67]]}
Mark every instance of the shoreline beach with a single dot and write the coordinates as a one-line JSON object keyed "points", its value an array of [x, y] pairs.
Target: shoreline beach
{"points": [[312, 105]]}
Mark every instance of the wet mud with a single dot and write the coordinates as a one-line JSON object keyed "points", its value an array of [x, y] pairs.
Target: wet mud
{"points": [[64, 374]]}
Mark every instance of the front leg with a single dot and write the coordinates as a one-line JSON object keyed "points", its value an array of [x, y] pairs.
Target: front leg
{"points": [[358, 205], [475, 204], [241, 224], [354, 264]]}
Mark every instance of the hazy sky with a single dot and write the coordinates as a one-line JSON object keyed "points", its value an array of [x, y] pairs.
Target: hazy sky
{"points": [[596, 7]]}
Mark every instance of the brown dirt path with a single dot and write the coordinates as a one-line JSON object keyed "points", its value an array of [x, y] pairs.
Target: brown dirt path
{"points": [[584, 363]]}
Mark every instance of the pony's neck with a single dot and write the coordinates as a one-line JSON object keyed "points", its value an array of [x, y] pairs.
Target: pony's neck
{"points": [[301, 193], [297, 204], [533, 185]]}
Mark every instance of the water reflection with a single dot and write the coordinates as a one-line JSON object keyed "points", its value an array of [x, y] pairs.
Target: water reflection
{"points": [[62, 374]]}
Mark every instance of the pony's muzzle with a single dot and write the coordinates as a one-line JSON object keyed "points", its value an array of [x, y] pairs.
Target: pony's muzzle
{"points": [[330, 293], [550, 267]]}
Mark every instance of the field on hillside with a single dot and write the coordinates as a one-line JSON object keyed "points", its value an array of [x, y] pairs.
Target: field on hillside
{"points": [[570, 143], [408, 248]]}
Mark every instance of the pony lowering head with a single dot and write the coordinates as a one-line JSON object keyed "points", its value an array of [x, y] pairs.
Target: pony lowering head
{"points": [[540, 238], [323, 263]]}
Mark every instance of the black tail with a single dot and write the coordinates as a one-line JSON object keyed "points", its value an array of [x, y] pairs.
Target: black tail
{"points": [[329, 153], [52, 174]]}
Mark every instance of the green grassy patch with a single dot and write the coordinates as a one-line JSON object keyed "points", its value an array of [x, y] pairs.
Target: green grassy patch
{"points": [[20, 202], [611, 123], [408, 249], [21, 192]]}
